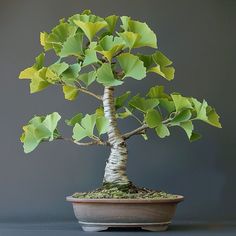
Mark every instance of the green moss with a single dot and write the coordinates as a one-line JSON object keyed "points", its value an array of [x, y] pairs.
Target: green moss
{"points": [[108, 191]]}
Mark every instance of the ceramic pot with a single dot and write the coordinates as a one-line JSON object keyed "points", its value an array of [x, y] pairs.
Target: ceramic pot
{"points": [[101, 214]]}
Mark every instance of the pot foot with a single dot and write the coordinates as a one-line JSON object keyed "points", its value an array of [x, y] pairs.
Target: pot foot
{"points": [[155, 228], [94, 228]]}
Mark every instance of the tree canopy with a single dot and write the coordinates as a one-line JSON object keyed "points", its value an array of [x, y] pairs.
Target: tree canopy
{"points": [[103, 52]]}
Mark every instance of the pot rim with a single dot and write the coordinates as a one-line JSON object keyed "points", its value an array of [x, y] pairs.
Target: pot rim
{"points": [[178, 198]]}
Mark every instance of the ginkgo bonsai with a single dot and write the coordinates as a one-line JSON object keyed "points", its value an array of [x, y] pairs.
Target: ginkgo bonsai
{"points": [[106, 53]]}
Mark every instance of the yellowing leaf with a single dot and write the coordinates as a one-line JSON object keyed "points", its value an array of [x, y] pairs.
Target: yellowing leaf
{"points": [[108, 46], [57, 37], [39, 81], [89, 26], [27, 73], [70, 92]]}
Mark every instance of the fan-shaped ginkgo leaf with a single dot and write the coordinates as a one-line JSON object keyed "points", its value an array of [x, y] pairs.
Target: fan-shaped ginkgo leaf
{"points": [[147, 37], [132, 66], [90, 25], [105, 76]]}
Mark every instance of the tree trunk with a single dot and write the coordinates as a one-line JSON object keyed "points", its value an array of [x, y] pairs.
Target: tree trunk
{"points": [[115, 170]]}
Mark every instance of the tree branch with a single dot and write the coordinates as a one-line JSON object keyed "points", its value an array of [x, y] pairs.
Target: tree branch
{"points": [[95, 142], [139, 130], [83, 90]]}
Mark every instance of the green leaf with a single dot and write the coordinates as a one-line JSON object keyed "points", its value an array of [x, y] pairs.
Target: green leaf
{"points": [[162, 131], [70, 75], [153, 118], [157, 92], [75, 119], [50, 122], [195, 137], [132, 66], [109, 45], [181, 102], [59, 68], [33, 136], [120, 101], [88, 123], [167, 104], [162, 67], [125, 22], [90, 25], [70, 92], [85, 129], [158, 63], [102, 125], [188, 128], [182, 116], [147, 60], [79, 132], [90, 55], [213, 117], [129, 38], [206, 113], [105, 76], [57, 37], [38, 129], [147, 36], [111, 23], [73, 46], [87, 78], [143, 104]]}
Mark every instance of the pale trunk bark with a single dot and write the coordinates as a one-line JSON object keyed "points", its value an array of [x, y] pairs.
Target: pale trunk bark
{"points": [[115, 170]]}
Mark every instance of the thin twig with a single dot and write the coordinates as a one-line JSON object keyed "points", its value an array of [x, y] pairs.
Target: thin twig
{"points": [[118, 53]]}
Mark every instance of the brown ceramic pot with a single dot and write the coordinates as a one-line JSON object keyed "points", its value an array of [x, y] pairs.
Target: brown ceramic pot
{"points": [[101, 214]]}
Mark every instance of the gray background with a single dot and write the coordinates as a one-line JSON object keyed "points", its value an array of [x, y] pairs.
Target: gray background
{"points": [[199, 36]]}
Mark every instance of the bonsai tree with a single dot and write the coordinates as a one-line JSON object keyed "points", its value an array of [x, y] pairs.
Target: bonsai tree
{"points": [[106, 51]]}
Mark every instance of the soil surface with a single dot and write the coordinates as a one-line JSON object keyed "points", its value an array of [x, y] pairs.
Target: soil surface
{"points": [[108, 191]]}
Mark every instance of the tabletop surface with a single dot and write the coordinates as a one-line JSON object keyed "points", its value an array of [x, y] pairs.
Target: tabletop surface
{"points": [[72, 228]]}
